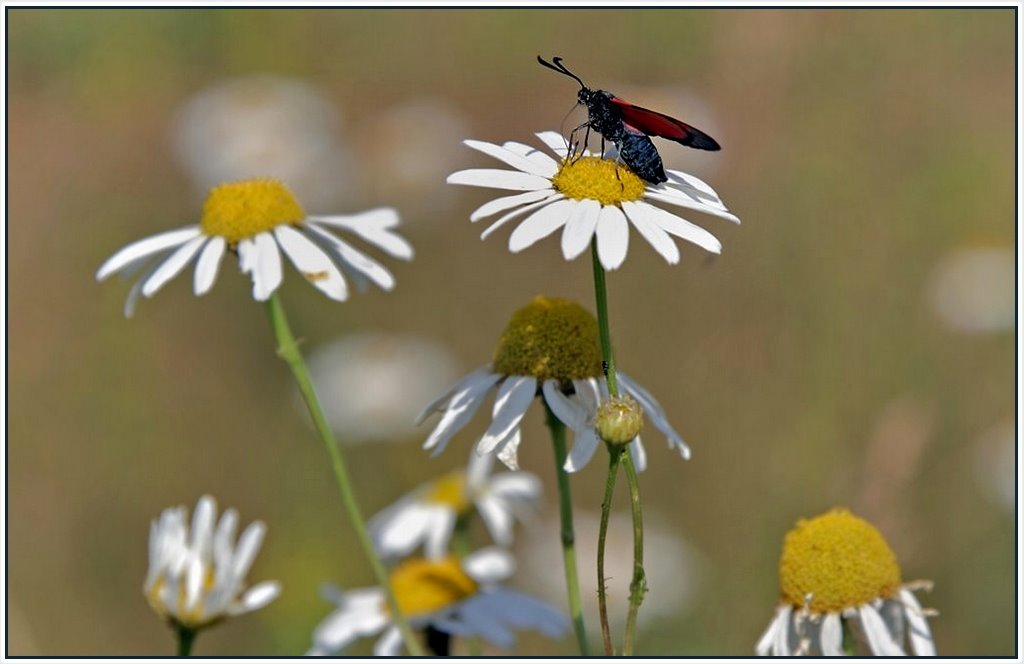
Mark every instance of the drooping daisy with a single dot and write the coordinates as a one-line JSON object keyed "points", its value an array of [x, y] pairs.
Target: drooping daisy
{"points": [[446, 598], [836, 572], [551, 347], [257, 220], [197, 578], [428, 515], [588, 196]]}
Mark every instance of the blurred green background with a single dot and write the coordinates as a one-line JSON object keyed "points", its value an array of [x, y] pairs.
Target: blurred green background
{"points": [[830, 356]]}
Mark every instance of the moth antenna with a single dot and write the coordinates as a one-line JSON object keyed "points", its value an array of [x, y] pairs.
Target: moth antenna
{"points": [[560, 68]]}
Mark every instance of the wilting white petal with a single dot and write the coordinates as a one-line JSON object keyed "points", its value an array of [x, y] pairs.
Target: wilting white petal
{"points": [[831, 636], [514, 396], [880, 641], [920, 634]]}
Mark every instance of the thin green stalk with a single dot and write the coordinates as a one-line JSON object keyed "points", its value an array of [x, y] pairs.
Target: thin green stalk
{"points": [[186, 637], [461, 547], [601, 294], [638, 586], [572, 580], [288, 350], [614, 456]]}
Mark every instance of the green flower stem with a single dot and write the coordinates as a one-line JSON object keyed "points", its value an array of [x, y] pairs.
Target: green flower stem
{"points": [[638, 586], [186, 637], [601, 293], [614, 456], [572, 580], [288, 350], [462, 547]]}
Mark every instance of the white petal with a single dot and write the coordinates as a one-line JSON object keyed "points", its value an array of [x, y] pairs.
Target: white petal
{"points": [[489, 565], [459, 411], [477, 471], [516, 489], [400, 529], [136, 291], [540, 224], [439, 534], [202, 524], [672, 198], [639, 454], [145, 248], [224, 538], [208, 264], [612, 237], [579, 229], [499, 179], [920, 634], [312, 263], [259, 596], [260, 258], [248, 546], [348, 623], [584, 444], [508, 451], [652, 232], [654, 411], [195, 575], [172, 265], [767, 640], [374, 226], [880, 641], [354, 259], [388, 645], [514, 396], [533, 154], [832, 636], [497, 518], [518, 212], [507, 203], [555, 141], [465, 381], [780, 648], [687, 182], [511, 158], [570, 413], [682, 228]]}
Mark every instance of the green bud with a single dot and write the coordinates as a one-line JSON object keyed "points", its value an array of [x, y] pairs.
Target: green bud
{"points": [[619, 420]]}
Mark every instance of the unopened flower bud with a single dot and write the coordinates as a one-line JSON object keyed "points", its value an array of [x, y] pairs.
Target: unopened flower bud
{"points": [[619, 420]]}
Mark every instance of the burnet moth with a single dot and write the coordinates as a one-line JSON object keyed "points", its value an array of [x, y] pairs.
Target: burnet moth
{"points": [[630, 127]]}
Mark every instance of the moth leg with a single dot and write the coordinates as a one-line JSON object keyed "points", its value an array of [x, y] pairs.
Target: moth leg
{"points": [[573, 144]]}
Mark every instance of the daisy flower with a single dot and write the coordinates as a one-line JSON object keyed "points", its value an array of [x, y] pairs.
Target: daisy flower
{"points": [[838, 571], [257, 220], [550, 348], [428, 515], [197, 578], [445, 598], [587, 196]]}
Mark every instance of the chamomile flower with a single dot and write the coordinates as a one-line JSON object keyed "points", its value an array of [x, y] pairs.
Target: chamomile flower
{"points": [[257, 220], [587, 196], [457, 598], [197, 578], [838, 571], [550, 348], [428, 515]]}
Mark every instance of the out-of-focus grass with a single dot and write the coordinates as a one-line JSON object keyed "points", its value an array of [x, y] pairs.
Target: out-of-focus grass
{"points": [[859, 148]]}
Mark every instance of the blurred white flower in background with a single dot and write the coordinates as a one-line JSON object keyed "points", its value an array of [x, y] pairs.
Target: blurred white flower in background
{"points": [[995, 464], [373, 384], [197, 578], [409, 149], [673, 567], [264, 125], [972, 290]]}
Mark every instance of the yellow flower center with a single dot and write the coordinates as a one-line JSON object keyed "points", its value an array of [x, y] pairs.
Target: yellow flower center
{"points": [[450, 490], [599, 179], [841, 560], [424, 586], [550, 338], [240, 210]]}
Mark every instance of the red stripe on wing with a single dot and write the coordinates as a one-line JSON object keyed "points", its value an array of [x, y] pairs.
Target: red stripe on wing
{"points": [[653, 123]]}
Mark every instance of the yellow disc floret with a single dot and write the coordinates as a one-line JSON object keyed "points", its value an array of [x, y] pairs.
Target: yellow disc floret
{"points": [[450, 490], [423, 586], [839, 560], [550, 338], [240, 210], [598, 179]]}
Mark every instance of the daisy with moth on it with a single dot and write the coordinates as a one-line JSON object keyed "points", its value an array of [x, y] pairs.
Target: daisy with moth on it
{"points": [[258, 220], [444, 598], [428, 515], [589, 197], [550, 349], [837, 574]]}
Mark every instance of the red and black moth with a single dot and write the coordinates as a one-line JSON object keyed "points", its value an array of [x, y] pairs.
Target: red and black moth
{"points": [[630, 127]]}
